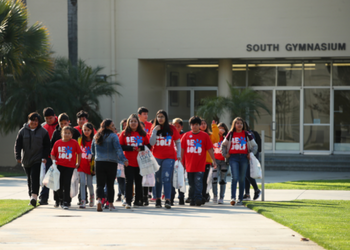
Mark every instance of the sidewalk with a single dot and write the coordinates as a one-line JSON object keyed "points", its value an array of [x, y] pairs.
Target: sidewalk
{"points": [[182, 227]]}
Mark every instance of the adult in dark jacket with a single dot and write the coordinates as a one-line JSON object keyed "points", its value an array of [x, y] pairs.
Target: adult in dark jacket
{"points": [[32, 147]]}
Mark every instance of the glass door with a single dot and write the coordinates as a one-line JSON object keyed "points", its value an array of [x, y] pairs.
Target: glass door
{"points": [[341, 121]]}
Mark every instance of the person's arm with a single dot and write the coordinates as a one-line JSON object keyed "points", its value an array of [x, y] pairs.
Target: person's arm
{"points": [[178, 150], [211, 153], [119, 151], [53, 139], [153, 138], [215, 136], [182, 156], [224, 147], [78, 160], [53, 158], [93, 147], [18, 146]]}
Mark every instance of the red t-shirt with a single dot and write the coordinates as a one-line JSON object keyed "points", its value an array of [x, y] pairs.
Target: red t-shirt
{"points": [[239, 143], [65, 152], [148, 127], [195, 148], [133, 140], [85, 157], [164, 147], [51, 128], [81, 132], [217, 150]]}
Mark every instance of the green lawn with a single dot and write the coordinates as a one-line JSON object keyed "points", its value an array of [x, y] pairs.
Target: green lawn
{"points": [[312, 185], [323, 221], [7, 174], [11, 209]]}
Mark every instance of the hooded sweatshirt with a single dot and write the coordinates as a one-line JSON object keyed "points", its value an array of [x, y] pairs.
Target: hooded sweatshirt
{"points": [[50, 128], [32, 146]]}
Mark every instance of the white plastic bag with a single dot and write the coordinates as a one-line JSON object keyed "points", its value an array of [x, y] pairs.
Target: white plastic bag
{"points": [[148, 180], [210, 179], [42, 173], [255, 168], [178, 176], [120, 171], [52, 177], [147, 163], [74, 185]]}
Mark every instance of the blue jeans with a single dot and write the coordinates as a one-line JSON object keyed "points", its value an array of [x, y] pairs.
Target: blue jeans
{"points": [[164, 177], [121, 186], [238, 164], [222, 173], [44, 194], [195, 181]]}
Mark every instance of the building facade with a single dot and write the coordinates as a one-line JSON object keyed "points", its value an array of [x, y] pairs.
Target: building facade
{"points": [[171, 54]]}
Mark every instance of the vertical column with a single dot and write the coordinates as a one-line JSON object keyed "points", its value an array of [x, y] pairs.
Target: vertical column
{"points": [[225, 76], [113, 63]]}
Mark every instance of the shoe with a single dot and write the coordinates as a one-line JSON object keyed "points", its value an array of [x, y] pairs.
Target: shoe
{"points": [[141, 203], [233, 202], [99, 206], [149, 196], [33, 202], [119, 198], [215, 199], [153, 200], [103, 201], [207, 198], [203, 200], [158, 203], [82, 204], [188, 200], [78, 203], [221, 201], [124, 204], [199, 203], [43, 202], [172, 202], [192, 203], [65, 205], [246, 197], [57, 204], [92, 200], [112, 208], [107, 205], [257, 194], [145, 201], [136, 204], [167, 204], [128, 206], [240, 203], [181, 201]]}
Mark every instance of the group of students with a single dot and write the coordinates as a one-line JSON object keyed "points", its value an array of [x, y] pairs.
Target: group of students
{"points": [[99, 152]]}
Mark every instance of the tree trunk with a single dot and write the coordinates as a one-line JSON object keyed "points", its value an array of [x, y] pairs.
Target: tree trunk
{"points": [[73, 31]]}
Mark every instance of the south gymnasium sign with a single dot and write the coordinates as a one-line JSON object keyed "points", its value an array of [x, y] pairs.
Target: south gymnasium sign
{"points": [[297, 47]]}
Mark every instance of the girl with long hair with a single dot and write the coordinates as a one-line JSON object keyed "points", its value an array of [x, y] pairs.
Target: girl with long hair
{"points": [[236, 146], [133, 140], [108, 153], [162, 139]]}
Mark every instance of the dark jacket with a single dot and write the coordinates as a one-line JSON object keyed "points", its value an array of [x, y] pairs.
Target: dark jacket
{"points": [[57, 135], [32, 146]]}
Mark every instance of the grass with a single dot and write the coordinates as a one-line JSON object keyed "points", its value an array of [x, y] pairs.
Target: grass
{"points": [[325, 222], [311, 185], [11, 209], [9, 174]]}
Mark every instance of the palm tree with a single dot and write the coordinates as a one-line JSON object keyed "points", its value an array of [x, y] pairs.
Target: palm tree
{"points": [[73, 31], [244, 103]]}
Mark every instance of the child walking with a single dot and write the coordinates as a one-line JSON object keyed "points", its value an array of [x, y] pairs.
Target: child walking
{"points": [[67, 154], [194, 146], [84, 170]]}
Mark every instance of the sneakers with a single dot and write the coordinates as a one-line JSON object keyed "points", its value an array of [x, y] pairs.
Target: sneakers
{"points": [[221, 201], [167, 204], [158, 203], [188, 200], [192, 203], [128, 206], [136, 204], [153, 200], [119, 198], [99, 206], [33, 202], [257, 194], [215, 199], [207, 198], [43, 202], [240, 203], [246, 197], [233, 202], [182, 201], [57, 204], [82, 204], [65, 205], [172, 202], [92, 200], [124, 204], [145, 201], [107, 205]]}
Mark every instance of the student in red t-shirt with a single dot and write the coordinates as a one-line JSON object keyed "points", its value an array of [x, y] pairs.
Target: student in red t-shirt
{"points": [[65, 152], [222, 166], [194, 146], [82, 118], [163, 138], [143, 116], [133, 140], [84, 170], [236, 146]]}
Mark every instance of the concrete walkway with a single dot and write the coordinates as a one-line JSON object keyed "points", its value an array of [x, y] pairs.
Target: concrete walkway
{"points": [[182, 227]]}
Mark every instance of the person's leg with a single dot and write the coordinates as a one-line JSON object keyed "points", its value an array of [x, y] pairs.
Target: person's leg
{"points": [[215, 183], [129, 179], [222, 181], [91, 189], [138, 185], [35, 179], [167, 176], [111, 173], [44, 194], [158, 176], [82, 186], [29, 181], [247, 181], [67, 183], [198, 184], [205, 179], [242, 174], [100, 179], [59, 192], [191, 184], [234, 164]]}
